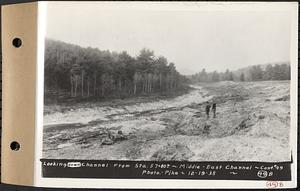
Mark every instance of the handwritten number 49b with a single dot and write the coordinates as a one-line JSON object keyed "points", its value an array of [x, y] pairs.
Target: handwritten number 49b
{"points": [[274, 184]]}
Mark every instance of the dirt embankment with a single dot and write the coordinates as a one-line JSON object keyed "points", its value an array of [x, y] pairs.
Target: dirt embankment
{"points": [[252, 123]]}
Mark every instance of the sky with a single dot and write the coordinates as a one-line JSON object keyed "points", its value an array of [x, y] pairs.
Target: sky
{"points": [[193, 36]]}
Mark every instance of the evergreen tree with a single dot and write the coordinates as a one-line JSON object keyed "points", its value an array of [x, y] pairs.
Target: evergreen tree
{"points": [[242, 77]]}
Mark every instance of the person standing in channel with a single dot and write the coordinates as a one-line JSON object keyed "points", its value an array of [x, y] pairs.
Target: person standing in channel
{"points": [[214, 108], [207, 109]]}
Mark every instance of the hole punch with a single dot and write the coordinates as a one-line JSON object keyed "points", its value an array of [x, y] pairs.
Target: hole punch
{"points": [[17, 42], [15, 146]]}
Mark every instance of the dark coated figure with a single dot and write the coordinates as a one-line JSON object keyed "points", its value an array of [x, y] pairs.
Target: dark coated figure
{"points": [[214, 108], [207, 109]]}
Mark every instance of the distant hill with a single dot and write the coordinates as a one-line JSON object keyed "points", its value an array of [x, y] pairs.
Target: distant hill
{"points": [[247, 70], [269, 71]]}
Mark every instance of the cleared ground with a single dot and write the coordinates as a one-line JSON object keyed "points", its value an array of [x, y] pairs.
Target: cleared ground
{"points": [[252, 124]]}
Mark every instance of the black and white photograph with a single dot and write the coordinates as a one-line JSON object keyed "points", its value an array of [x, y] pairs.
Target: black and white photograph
{"points": [[166, 83]]}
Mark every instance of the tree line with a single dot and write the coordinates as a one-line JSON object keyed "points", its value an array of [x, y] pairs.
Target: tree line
{"points": [[76, 72], [253, 73]]}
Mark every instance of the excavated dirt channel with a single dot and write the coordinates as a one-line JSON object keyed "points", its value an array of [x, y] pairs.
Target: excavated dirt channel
{"points": [[252, 123]]}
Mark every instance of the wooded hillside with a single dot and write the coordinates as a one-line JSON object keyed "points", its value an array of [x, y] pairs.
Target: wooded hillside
{"points": [[75, 72], [276, 71]]}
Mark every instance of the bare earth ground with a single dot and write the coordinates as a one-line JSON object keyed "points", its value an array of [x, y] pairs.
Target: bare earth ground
{"points": [[252, 124]]}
